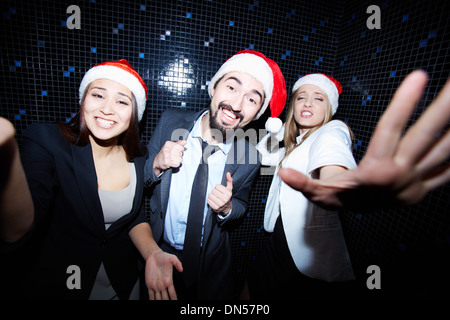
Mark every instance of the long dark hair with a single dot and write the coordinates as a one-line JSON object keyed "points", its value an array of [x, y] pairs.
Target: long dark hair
{"points": [[76, 131]]}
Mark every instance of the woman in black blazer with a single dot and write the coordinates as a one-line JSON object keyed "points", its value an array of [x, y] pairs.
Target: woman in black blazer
{"points": [[85, 180]]}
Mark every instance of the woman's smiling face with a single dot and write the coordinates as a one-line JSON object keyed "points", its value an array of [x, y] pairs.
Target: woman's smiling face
{"points": [[107, 109]]}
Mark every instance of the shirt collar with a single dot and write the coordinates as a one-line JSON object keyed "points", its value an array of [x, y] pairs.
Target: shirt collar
{"points": [[300, 137], [197, 133]]}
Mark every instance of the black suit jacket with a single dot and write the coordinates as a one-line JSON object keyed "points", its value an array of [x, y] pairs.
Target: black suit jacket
{"points": [[69, 227], [243, 163]]}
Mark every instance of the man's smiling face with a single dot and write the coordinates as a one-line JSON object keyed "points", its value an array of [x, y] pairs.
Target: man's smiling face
{"points": [[236, 99]]}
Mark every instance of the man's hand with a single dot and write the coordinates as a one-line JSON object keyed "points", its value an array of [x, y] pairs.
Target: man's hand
{"points": [[395, 170], [158, 275], [220, 197], [170, 156]]}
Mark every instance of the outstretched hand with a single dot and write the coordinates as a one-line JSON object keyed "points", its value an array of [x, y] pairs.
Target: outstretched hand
{"points": [[7, 131], [395, 170], [16, 204]]}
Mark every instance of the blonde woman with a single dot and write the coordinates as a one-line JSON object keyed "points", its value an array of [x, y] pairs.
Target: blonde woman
{"points": [[306, 255]]}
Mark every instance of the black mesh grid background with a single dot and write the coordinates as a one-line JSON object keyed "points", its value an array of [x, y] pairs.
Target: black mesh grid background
{"points": [[177, 46]]}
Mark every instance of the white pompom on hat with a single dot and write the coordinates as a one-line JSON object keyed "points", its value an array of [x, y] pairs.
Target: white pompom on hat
{"points": [[121, 72], [331, 86], [267, 72]]}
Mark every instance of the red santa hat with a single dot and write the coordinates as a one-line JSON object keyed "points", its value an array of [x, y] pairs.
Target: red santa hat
{"points": [[331, 86], [268, 73], [121, 72]]}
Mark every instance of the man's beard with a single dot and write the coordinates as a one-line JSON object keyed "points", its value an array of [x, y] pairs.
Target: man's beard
{"points": [[214, 123]]}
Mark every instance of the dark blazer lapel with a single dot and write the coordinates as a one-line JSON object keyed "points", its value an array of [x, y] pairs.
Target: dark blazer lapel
{"points": [[186, 122], [232, 163], [84, 171], [139, 165], [165, 188], [239, 154]]}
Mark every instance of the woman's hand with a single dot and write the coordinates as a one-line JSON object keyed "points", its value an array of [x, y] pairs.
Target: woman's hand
{"points": [[395, 170], [7, 131], [16, 205]]}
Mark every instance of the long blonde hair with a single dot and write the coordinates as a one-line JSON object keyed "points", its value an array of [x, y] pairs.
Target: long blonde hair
{"points": [[291, 128]]}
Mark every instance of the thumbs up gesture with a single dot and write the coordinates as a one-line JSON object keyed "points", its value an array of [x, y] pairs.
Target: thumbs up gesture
{"points": [[220, 197]]}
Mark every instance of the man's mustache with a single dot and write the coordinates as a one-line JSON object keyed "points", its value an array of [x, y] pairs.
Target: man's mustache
{"points": [[229, 108]]}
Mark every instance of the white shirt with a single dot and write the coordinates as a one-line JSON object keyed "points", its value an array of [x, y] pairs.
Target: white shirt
{"points": [[314, 235], [182, 180]]}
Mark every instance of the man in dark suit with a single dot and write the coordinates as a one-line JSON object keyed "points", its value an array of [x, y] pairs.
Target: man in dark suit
{"points": [[199, 249]]}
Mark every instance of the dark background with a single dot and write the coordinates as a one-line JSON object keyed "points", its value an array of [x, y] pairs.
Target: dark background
{"points": [[177, 46]]}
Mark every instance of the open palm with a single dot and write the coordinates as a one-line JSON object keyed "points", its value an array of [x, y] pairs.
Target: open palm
{"points": [[396, 169], [158, 275]]}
